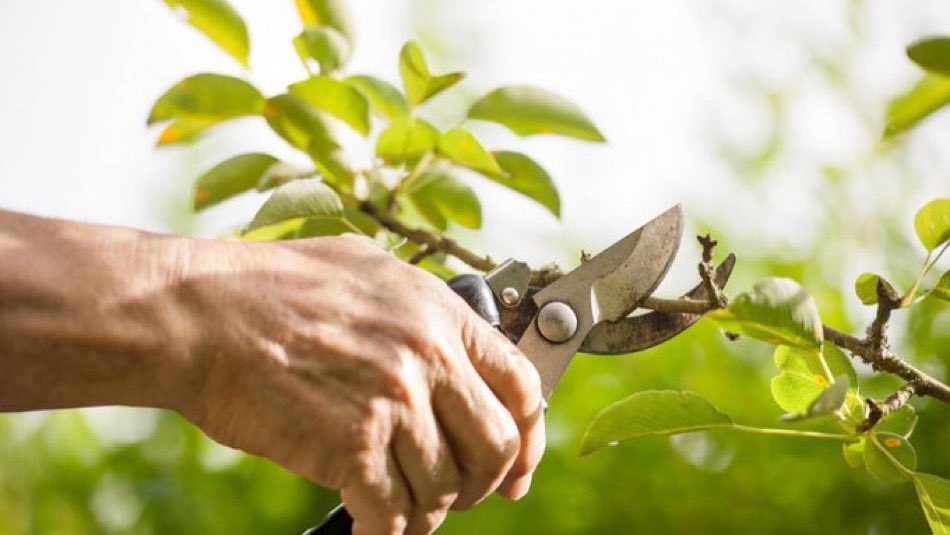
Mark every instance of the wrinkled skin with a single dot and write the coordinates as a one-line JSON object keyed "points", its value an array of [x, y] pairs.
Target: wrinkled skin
{"points": [[328, 356], [367, 375]]}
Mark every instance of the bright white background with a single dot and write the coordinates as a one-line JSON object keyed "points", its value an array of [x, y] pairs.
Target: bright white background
{"points": [[670, 83]]}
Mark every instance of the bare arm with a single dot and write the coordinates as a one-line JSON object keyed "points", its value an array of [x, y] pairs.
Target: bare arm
{"points": [[328, 356]]}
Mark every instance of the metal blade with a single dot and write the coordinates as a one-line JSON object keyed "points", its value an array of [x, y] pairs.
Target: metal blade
{"points": [[637, 333], [605, 288]]}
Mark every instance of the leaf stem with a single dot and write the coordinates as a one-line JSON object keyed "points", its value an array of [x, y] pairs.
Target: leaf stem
{"points": [[793, 433]]}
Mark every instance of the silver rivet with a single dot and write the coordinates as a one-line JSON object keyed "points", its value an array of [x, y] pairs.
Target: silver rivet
{"points": [[510, 296], [557, 322]]}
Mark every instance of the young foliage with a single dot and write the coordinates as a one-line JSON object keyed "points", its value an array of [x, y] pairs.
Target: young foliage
{"points": [[652, 413], [231, 177], [932, 223], [528, 110], [418, 82], [777, 311], [219, 22], [298, 199]]}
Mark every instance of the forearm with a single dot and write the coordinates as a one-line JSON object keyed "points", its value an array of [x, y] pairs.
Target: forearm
{"points": [[89, 315]]}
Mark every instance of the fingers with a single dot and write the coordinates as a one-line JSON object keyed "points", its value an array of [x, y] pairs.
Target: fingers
{"points": [[481, 433], [515, 382], [428, 467], [378, 499]]}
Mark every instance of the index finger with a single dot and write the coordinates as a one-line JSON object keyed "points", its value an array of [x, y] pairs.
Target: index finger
{"points": [[516, 384]]}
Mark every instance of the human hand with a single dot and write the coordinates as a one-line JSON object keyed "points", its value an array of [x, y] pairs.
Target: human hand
{"points": [[360, 373]]}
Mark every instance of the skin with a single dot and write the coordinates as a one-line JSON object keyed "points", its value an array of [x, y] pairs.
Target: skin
{"points": [[328, 356]]}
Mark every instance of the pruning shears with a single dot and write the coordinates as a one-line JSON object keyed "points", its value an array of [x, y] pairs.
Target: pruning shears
{"points": [[586, 310]]}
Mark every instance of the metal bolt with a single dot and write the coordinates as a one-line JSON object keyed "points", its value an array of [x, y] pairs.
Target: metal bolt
{"points": [[510, 296], [557, 322]]}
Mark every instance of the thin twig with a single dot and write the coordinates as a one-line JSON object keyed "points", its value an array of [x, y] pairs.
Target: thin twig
{"points": [[893, 403]]}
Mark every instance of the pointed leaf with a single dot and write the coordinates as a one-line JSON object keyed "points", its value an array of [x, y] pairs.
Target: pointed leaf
{"points": [[385, 100], [297, 123], [219, 22], [889, 457], [332, 13], [652, 413], [417, 81], [202, 101], [461, 147], [524, 175], [528, 110], [300, 198], [335, 98], [930, 94], [231, 177], [777, 311], [932, 223], [440, 196], [324, 45], [406, 140], [933, 54], [934, 495]]}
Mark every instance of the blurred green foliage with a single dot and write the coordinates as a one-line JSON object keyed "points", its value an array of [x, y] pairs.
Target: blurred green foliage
{"points": [[140, 471]]}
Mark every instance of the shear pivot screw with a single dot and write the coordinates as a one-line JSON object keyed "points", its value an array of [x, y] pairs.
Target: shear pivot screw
{"points": [[510, 296], [557, 322]]}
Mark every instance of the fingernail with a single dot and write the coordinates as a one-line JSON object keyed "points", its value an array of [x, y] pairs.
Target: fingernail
{"points": [[520, 487]]}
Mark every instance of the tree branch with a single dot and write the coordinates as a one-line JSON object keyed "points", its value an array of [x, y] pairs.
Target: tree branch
{"points": [[893, 403], [873, 350]]}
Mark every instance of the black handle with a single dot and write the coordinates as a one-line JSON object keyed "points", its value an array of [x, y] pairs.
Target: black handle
{"points": [[475, 291]]}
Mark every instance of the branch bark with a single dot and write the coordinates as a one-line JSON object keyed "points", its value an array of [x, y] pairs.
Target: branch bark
{"points": [[873, 350]]}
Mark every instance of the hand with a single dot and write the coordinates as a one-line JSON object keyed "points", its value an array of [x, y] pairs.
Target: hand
{"points": [[364, 374]]}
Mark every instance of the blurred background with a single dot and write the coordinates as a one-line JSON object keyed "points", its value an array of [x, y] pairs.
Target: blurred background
{"points": [[764, 118]]}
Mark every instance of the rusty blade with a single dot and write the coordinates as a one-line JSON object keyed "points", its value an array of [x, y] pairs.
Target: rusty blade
{"points": [[605, 288], [637, 333]]}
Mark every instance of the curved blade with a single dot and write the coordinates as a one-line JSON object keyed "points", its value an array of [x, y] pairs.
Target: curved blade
{"points": [[605, 288], [637, 333]]}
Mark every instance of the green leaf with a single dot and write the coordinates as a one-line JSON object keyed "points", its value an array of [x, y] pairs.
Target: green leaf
{"points": [[324, 45], [930, 94], [332, 13], [335, 98], [777, 311], [828, 402], [900, 422], [934, 495], [942, 290], [933, 54], [802, 379], [528, 110], [889, 457], [865, 286], [300, 198], [231, 177], [418, 82], [327, 226], [406, 140], [284, 230], [461, 147], [932, 223], [524, 175], [297, 123], [441, 197], [854, 453], [652, 413], [219, 22], [385, 100], [202, 101]]}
